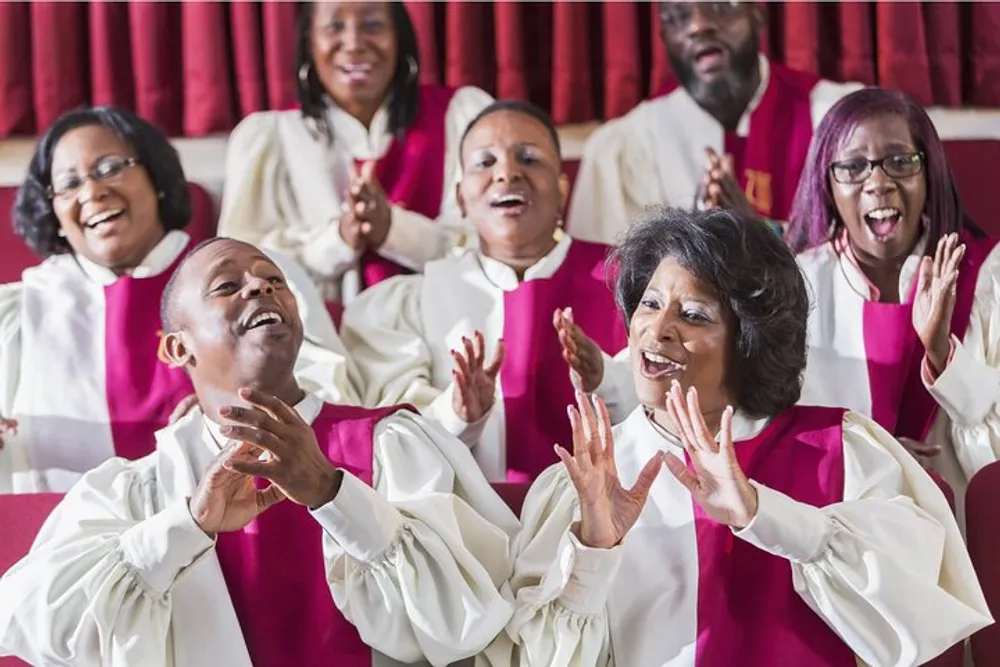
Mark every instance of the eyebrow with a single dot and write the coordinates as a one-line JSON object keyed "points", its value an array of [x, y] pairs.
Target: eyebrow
{"points": [[103, 156], [890, 147]]}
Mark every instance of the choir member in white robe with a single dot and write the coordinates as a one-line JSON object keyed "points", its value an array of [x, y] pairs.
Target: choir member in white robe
{"points": [[258, 533], [358, 184], [905, 326], [780, 535], [471, 341], [732, 132], [105, 201]]}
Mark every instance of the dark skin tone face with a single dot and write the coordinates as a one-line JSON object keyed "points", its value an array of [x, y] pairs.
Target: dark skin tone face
{"points": [[713, 48], [512, 187], [112, 219], [881, 245], [236, 325], [354, 52]]}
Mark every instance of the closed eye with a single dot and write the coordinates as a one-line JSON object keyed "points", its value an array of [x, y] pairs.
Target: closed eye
{"points": [[227, 286], [651, 304]]}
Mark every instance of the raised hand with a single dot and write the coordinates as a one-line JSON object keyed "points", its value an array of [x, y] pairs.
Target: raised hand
{"points": [[934, 301], [370, 206], [608, 510], [580, 351], [227, 500], [720, 188], [717, 483], [8, 427], [291, 460], [475, 383]]}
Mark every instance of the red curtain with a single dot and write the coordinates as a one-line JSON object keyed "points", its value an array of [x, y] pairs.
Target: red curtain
{"points": [[196, 68]]}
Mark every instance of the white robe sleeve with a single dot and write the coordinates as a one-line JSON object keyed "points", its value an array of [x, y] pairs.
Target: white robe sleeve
{"points": [[10, 368], [414, 239], [323, 366], [417, 563], [95, 589], [259, 205], [886, 569], [969, 387], [384, 334], [617, 388], [616, 181]]}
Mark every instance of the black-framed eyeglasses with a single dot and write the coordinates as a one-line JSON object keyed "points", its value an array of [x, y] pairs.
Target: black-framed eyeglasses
{"points": [[857, 169], [66, 186], [676, 15]]}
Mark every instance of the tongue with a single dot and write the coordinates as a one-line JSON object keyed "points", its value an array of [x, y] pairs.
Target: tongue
{"points": [[884, 226]]}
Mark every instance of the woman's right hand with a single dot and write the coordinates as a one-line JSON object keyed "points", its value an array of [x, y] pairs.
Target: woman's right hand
{"points": [[580, 351], [608, 510]]}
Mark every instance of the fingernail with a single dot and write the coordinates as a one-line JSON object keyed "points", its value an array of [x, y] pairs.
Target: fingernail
{"points": [[226, 411], [244, 392], [226, 430]]}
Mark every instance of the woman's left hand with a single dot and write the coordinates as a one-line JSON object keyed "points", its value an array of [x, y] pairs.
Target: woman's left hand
{"points": [[717, 482], [370, 206], [934, 301]]}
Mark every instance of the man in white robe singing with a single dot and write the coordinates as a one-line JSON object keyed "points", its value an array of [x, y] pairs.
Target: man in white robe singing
{"points": [[268, 528]]}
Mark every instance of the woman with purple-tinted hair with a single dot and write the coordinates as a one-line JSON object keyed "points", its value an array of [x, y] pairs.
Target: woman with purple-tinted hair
{"points": [[905, 325]]}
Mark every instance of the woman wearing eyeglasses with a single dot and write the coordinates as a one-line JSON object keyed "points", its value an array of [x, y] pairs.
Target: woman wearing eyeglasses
{"points": [[104, 204], [905, 326]]}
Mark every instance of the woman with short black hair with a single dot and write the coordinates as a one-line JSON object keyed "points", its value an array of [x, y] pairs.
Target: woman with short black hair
{"points": [[358, 183], [104, 204], [781, 535]]}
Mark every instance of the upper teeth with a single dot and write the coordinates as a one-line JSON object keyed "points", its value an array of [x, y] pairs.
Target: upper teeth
{"points": [[102, 217], [267, 316], [357, 68], [659, 359], [509, 199], [883, 213]]}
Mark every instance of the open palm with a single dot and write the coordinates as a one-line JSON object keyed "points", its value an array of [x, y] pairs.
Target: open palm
{"points": [[934, 301], [717, 482], [475, 382], [608, 509]]}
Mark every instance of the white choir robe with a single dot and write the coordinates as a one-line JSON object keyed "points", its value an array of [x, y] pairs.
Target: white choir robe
{"points": [[886, 569], [285, 184], [53, 370], [400, 334], [655, 154], [121, 574], [967, 425]]}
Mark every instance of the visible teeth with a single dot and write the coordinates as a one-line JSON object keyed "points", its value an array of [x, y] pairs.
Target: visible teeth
{"points": [[102, 217], [267, 317], [659, 359], [883, 213], [509, 199], [357, 68]]}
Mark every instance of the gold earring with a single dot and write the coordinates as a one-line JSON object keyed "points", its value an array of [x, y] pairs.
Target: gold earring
{"points": [[558, 234]]}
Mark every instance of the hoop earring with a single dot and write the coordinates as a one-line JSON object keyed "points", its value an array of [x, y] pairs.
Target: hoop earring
{"points": [[414, 67], [304, 74]]}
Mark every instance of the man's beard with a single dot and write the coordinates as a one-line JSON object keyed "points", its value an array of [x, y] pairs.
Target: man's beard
{"points": [[725, 92]]}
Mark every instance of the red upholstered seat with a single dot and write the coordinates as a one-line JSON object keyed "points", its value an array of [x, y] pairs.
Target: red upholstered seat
{"points": [[21, 517], [15, 256], [982, 521], [954, 656], [512, 493]]}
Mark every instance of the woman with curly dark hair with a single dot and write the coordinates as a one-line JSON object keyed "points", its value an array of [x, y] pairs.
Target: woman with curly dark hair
{"points": [[104, 204], [358, 184], [781, 535]]}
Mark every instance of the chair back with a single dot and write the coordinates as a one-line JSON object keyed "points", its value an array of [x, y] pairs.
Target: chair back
{"points": [[982, 533]]}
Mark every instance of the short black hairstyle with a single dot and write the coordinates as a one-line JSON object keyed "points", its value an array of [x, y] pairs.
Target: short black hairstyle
{"points": [[756, 278], [34, 219], [167, 298], [404, 91], [517, 106]]}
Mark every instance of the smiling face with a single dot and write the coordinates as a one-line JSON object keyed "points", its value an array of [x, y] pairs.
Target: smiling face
{"points": [[354, 51], [680, 331], [237, 322], [713, 47], [105, 203], [882, 213], [511, 186]]}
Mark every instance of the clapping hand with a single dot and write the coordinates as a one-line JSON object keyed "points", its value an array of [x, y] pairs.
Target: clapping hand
{"points": [[717, 483], [608, 510], [934, 301], [287, 453], [720, 188], [583, 355], [475, 383], [922, 452]]}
